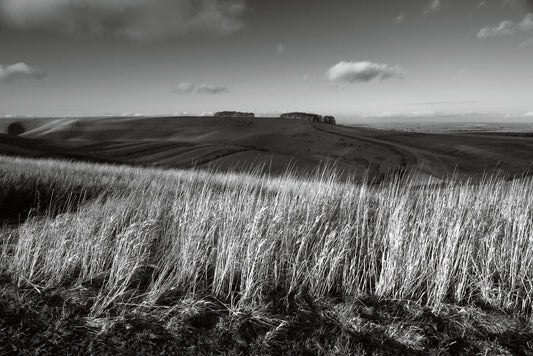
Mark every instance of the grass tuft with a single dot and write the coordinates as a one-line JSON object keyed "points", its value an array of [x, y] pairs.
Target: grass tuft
{"points": [[259, 263]]}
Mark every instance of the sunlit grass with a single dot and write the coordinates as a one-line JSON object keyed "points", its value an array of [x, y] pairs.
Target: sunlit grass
{"points": [[239, 237]]}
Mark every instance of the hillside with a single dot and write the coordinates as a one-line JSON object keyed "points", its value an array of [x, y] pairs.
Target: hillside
{"points": [[115, 259], [106, 260], [271, 143]]}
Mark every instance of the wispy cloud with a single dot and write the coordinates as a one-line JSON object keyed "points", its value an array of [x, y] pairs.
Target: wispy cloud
{"points": [[361, 72], [400, 18], [19, 71], [189, 88], [504, 28], [432, 7], [527, 43], [507, 28], [281, 48], [527, 23], [211, 89], [133, 19], [185, 88]]}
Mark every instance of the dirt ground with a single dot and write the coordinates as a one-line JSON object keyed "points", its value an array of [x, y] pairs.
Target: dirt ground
{"points": [[54, 322]]}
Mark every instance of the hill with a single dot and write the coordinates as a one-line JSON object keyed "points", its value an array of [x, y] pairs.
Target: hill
{"points": [[275, 144]]}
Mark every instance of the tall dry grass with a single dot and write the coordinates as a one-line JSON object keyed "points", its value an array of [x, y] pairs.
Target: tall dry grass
{"points": [[145, 232]]}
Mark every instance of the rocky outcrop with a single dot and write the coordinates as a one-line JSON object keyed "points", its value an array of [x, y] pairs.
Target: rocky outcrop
{"points": [[234, 114], [309, 117]]}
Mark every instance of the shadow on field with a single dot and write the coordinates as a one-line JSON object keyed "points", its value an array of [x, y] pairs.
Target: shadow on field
{"points": [[56, 322], [19, 202], [15, 129], [16, 205]]}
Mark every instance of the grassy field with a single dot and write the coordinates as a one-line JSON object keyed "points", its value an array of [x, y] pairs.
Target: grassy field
{"points": [[109, 259], [237, 144]]}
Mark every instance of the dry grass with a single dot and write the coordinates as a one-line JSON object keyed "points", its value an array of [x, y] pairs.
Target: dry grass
{"points": [[129, 239]]}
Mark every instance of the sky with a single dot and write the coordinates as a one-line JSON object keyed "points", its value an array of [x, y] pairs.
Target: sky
{"points": [[467, 59]]}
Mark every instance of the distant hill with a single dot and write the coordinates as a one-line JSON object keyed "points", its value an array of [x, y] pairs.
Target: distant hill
{"points": [[275, 144], [234, 114], [309, 117]]}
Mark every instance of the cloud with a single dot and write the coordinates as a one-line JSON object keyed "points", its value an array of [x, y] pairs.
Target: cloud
{"points": [[527, 43], [188, 88], [400, 18], [507, 28], [132, 19], [459, 74], [281, 48], [527, 23], [19, 71], [433, 6], [529, 114], [211, 89], [362, 72], [185, 88]]}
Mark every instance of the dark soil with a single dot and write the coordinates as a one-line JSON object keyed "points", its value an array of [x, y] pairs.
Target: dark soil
{"points": [[53, 322]]}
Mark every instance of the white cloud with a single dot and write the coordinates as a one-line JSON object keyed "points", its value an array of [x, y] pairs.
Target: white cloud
{"points": [[132, 114], [362, 72], [433, 6], [529, 114], [19, 71], [400, 18], [527, 23], [211, 89], [133, 19], [189, 88], [507, 28], [527, 43], [281, 48], [185, 88]]}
